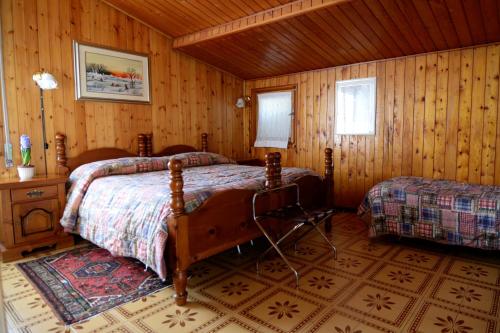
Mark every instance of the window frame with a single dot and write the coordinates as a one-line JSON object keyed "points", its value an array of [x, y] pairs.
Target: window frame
{"points": [[254, 112], [373, 102]]}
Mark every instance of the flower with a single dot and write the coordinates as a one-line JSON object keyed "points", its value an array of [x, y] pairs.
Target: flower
{"points": [[466, 293], [180, 317], [452, 325], [347, 329], [378, 302], [400, 276], [25, 141], [321, 282], [475, 271], [286, 309], [235, 288], [25, 149]]}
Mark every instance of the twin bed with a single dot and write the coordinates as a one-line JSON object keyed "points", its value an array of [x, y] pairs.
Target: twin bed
{"points": [[176, 207], [443, 211]]}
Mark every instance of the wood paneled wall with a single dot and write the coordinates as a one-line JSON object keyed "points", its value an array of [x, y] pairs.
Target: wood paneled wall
{"points": [[437, 113], [188, 97], [437, 116]]}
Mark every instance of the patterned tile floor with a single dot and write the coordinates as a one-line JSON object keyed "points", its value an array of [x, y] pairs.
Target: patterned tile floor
{"points": [[374, 286]]}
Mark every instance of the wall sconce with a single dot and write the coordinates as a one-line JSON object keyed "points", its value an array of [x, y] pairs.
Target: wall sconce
{"points": [[243, 102]]}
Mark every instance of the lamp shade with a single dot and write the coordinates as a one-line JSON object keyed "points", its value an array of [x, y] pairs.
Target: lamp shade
{"points": [[45, 81]]}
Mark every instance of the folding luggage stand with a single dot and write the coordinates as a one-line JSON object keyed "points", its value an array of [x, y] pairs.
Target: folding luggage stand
{"points": [[298, 216]]}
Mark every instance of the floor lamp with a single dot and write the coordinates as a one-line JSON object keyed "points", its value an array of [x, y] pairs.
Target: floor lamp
{"points": [[45, 81]]}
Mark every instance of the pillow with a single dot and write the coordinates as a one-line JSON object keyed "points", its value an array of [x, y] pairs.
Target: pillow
{"points": [[198, 158]]}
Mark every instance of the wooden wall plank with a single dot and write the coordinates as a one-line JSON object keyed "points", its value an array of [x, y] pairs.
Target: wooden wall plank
{"points": [[441, 109], [418, 115], [465, 96], [429, 115], [399, 95], [409, 102], [452, 115], [315, 129], [361, 145], [379, 123], [490, 125], [477, 114], [390, 68]]}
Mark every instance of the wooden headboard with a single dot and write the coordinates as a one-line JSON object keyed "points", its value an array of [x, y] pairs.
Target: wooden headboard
{"points": [[145, 143], [145, 149]]}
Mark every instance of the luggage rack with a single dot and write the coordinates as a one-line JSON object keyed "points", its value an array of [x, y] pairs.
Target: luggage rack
{"points": [[295, 213]]}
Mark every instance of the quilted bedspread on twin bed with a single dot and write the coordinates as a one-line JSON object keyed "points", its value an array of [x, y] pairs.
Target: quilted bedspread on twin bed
{"points": [[441, 210], [122, 204]]}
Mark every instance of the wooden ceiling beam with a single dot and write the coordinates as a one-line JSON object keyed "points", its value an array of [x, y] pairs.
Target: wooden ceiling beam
{"points": [[292, 9]]}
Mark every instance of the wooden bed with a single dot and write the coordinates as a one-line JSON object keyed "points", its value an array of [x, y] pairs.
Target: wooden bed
{"points": [[207, 230]]}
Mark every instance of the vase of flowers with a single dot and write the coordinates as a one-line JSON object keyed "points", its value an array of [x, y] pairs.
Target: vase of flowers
{"points": [[26, 171]]}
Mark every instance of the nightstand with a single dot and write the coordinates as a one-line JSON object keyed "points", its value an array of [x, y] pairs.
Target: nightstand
{"points": [[29, 215]]}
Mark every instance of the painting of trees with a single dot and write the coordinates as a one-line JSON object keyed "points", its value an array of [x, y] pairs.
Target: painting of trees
{"points": [[96, 68], [132, 75]]}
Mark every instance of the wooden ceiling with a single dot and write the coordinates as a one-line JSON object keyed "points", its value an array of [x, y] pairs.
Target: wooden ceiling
{"points": [[302, 35], [180, 17]]}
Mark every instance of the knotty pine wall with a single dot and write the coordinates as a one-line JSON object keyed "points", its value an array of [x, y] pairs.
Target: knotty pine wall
{"points": [[188, 97], [437, 116]]}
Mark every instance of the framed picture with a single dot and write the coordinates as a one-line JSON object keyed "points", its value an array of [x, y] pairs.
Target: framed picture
{"points": [[110, 75]]}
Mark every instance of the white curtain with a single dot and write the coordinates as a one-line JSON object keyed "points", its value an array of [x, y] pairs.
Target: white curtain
{"points": [[274, 119]]}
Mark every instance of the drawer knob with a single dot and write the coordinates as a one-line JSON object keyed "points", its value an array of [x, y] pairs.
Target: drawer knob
{"points": [[212, 231], [34, 193]]}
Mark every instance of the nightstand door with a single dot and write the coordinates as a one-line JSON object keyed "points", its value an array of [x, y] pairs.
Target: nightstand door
{"points": [[35, 220]]}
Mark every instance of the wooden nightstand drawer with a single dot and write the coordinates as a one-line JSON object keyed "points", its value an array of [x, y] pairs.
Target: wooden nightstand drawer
{"points": [[33, 193], [35, 220]]}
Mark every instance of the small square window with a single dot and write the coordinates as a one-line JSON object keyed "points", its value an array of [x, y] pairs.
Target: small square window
{"points": [[274, 117], [355, 107]]}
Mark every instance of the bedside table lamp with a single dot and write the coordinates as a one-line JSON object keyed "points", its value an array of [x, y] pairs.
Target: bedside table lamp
{"points": [[45, 81]]}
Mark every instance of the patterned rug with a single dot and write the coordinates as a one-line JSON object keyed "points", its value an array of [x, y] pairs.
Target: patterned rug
{"points": [[83, 282]]}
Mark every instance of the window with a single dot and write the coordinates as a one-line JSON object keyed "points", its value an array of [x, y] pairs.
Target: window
{"points": [[274, 110], [355, 107]]}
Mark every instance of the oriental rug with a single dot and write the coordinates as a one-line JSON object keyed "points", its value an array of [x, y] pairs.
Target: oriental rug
{"points": [[84, 282]]}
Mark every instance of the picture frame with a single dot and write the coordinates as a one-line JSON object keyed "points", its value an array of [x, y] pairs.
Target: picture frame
{"points": [[112, 75]]}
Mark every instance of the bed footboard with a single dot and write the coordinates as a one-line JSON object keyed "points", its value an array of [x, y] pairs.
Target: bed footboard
{"points": [[208, 230]]}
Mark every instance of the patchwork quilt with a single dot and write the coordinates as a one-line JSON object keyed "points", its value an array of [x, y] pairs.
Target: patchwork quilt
{"points": [[440, 210], [122, 204]]}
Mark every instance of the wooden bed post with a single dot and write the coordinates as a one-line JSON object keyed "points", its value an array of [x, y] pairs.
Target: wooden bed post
{"points": [[149, 144], [328, 184], [145, 145], [141, 145], [178, 231], [61, 160], [277, 169], [204, 142], [270, 180]]}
